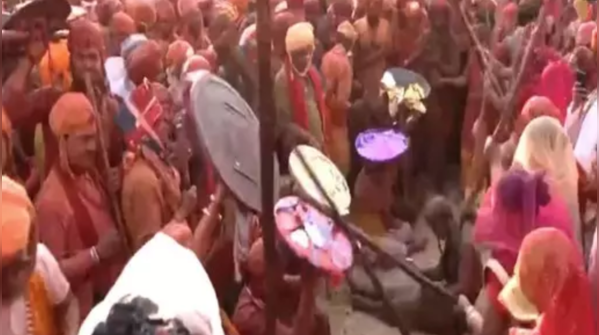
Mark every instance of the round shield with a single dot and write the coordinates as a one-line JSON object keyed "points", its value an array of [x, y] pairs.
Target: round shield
{"points": [[400, 77], [55, 12], [229, 131], [327, 174], [313, 236], [381, 145]]}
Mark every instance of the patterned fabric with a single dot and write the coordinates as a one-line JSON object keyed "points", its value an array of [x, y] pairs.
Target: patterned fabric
{"points": [[41, 313], [145, 110]]}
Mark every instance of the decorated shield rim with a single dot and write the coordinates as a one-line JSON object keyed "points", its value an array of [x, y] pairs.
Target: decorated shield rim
{"points": [[302, 177], [336, 259]]}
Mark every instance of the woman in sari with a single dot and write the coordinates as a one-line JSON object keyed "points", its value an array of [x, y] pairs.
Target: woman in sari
{"points": [[545, 147], [517, 204], [550, 289]]}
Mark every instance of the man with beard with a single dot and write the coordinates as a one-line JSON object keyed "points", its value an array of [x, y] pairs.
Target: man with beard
{"points": [[77, 225], [299, 94], [88, 53], [372, 48]]}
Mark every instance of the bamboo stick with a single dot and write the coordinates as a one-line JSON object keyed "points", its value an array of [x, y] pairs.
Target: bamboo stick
{"points": [[267, 116], [115, 208]]}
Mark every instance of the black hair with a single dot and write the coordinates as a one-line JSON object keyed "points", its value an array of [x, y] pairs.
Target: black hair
{"points": [[134, 318]]}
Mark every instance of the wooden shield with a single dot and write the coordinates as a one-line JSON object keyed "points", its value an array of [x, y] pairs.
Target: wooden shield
{"points": [[228, 130]]}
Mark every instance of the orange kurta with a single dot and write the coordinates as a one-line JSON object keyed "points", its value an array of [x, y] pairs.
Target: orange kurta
{"points": [[63, 233], [148, 203]]}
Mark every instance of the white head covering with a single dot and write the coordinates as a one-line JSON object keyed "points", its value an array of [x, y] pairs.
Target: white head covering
{"points": [[173, 278], [545, 147], [299, 36]]}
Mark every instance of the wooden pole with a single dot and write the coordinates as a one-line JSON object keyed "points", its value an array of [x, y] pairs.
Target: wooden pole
{"points": [[267, 115]]}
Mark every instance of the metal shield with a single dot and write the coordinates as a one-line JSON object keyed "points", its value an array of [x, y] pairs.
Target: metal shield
{"points": [[55, 12], [230, 132]]}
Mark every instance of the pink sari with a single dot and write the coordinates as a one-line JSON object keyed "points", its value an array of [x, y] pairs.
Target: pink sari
{"points": [[557, 81]]}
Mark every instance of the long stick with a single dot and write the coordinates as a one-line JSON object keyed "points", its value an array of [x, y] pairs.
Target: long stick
{"points": [[268, 123], [483, 58], [356, 234], [116, 212], [508, 113]]}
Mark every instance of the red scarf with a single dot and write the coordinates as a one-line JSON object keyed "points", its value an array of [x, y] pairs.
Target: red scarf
{"points": [[298, 100]]}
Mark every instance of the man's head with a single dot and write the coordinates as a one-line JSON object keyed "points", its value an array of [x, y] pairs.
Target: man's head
{"points": [[120, 27], [166, 20], [341, 10], [300, 45], [346, 35], [73, 123], [145, 62], [223, 30], [440, 15], [140, 316], [19, 239], [374, 10], [87, 49], [440, 216]]}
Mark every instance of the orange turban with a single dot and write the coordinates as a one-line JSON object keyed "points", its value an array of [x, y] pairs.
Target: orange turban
{"points": [[73, 112], [17, 216], [106, 9], [142, 12], [122, 24], [84, 33], [144, 62], [177, 53], [241, 5], [195, 63], [55, 66], [535, 107], [165, 11]]}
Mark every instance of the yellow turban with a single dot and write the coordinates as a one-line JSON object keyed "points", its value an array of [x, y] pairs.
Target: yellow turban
{"points": [[17, 216], [299, 36], [55, 67], [73, 112], [583, 9], [347, 29]]}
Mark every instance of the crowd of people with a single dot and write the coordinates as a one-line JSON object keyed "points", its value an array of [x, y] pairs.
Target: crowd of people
{"points": [[115, 223]]}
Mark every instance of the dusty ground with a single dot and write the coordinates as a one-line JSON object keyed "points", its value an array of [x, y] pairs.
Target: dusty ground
{"points": [[344, 321]]}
